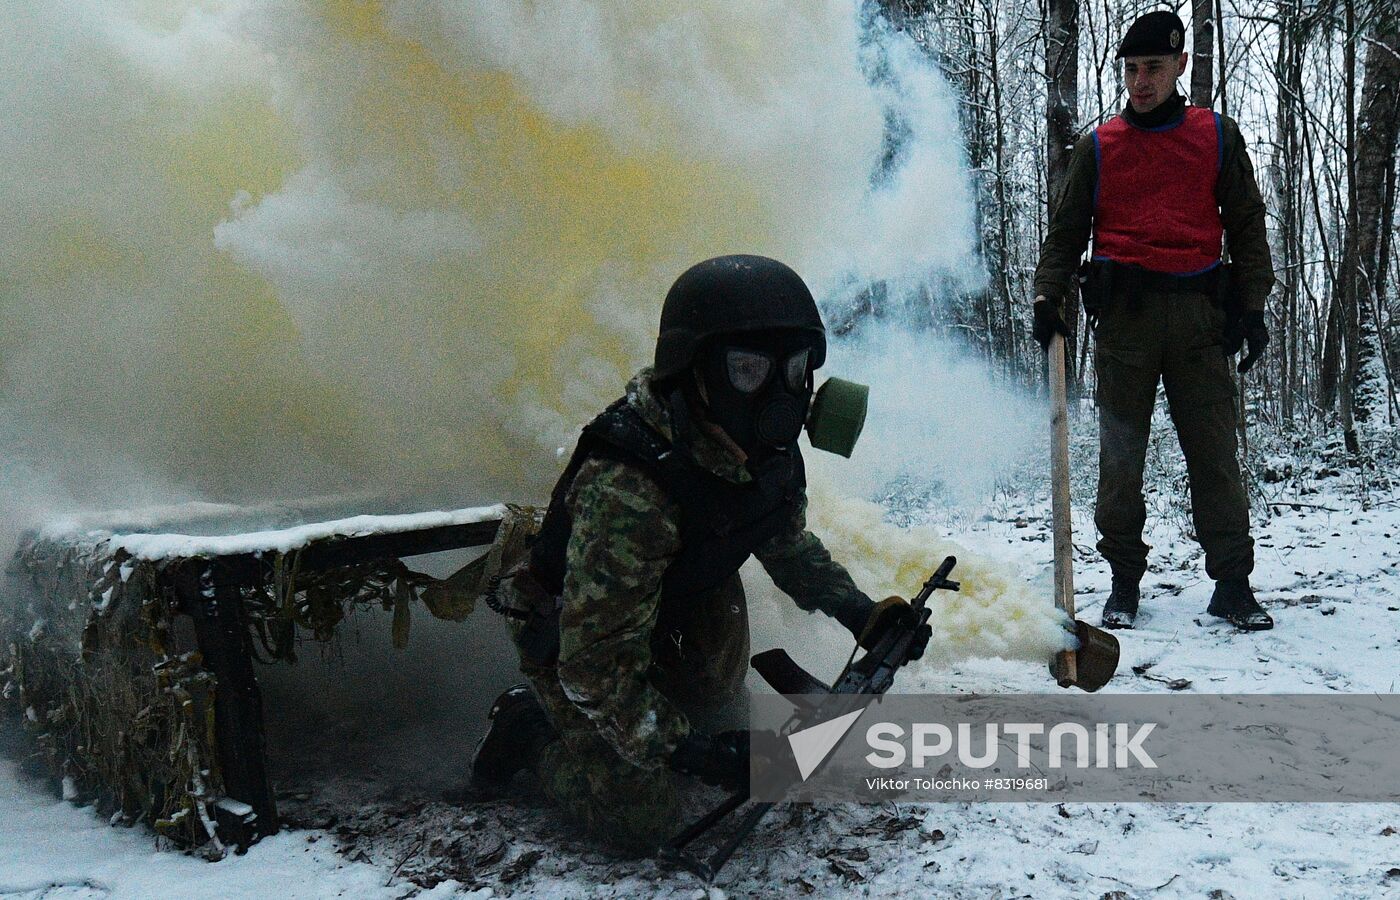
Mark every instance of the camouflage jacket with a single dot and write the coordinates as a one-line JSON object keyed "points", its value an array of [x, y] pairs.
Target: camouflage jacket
{"points": [[625, 533], [1241, 212]]}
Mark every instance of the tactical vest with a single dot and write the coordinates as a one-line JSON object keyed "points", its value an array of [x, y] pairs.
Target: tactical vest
{"points": [[1154, 200], [721, 523]]}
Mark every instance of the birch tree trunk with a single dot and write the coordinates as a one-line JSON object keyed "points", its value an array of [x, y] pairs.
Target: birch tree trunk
{"points": [[1376, 134]]}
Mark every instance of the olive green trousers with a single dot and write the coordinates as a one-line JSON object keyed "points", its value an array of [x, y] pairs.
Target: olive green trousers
{"points": [[1173, 338]]}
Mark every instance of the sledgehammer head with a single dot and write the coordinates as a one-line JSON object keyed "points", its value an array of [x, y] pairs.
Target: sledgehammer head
{"points": [[1092, 665]]}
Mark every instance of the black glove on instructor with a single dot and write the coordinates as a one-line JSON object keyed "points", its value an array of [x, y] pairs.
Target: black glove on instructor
{"points": [[1247, 328], [1047, 320], [891, 613], [721, 760]]}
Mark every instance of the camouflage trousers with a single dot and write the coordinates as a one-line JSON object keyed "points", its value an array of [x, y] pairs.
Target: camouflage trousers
{"points": [[700, 651], [1174, 339]]}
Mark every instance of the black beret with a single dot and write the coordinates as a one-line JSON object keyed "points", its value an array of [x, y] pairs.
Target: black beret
{"points": [[1156, 34]]}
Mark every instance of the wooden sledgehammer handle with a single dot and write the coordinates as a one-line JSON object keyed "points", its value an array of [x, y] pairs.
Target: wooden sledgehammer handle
{"points": [[1066, 670]]}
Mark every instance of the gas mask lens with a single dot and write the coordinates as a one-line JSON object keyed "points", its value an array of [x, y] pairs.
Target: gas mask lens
{"points": [[795, 370], [748, 370]]}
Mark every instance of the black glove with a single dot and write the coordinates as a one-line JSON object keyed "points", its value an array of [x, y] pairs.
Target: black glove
{"points": [[1247, 327], [722, 760], [891, 613], [1047, 321]]}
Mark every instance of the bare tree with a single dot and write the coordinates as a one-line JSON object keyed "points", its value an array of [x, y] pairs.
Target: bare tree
{"points": [[1345, 293], [1061, 119], [1286, 177], [1202, 45], [1374, 203]]}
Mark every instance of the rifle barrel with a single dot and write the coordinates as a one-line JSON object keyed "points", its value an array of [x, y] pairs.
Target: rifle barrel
{"points": [[938, 579]]}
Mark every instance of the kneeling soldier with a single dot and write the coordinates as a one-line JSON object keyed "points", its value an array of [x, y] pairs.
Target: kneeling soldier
{"points": [[629, 616]]}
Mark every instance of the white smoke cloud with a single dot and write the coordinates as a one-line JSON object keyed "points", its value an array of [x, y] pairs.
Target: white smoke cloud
{"points": [[936, 414], [313, 234]]}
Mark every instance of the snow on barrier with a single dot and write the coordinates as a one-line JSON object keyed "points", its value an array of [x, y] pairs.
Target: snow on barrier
{"points": [[130, 655]]}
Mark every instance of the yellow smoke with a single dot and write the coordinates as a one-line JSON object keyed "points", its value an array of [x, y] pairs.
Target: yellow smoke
{"points": [[255, 248], [486, 346], [996, 612], [497, 258]]}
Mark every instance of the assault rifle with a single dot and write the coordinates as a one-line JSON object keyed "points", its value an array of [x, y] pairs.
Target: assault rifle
{"points": [[860, 684]]}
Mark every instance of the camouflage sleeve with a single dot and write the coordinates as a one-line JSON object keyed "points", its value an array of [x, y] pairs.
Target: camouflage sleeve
{"points": [[624, 536], [1243, 215], [801, 567], [1070, 223]]}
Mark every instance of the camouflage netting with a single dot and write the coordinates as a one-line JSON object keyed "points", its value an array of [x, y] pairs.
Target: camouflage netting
{"points": [[106, 675]]}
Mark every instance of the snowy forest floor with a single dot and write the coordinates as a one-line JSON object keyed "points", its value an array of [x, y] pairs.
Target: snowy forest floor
{"points": [[1328, 570]]}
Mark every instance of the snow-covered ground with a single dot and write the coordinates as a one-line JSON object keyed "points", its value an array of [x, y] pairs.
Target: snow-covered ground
{"points": [[50, 849], [1328, 570]]}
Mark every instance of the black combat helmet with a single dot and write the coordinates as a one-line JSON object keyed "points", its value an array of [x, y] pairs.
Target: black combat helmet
{"points": [[733, 295]]}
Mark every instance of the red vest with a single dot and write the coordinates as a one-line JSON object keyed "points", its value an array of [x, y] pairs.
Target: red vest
{"points": [[1154, 203]]}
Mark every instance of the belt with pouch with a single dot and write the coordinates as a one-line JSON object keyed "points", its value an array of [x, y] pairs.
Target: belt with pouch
{"points": [[1103, 283]]}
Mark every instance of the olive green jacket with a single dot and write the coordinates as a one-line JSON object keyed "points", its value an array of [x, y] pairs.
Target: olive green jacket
{"points": [[1241, 211]]}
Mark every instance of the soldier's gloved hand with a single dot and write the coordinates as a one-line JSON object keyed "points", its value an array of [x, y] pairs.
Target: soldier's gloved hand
{"points": [[1047, 320], [1251, 328], [721, 760], [891, 613]]}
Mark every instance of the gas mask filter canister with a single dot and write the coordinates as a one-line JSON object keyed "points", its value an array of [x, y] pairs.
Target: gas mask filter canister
{"points": [[838, 416]]}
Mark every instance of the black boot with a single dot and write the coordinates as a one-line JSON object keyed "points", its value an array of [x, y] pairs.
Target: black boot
{"points": [[1234, 601], [516, 734], [1121, 609]]}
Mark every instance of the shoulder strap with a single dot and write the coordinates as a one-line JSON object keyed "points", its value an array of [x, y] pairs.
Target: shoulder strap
{"points": [[618, 433]]}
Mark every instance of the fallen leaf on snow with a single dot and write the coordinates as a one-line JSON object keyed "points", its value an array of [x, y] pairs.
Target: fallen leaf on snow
{"points": [[519, 866], [845, 869]]}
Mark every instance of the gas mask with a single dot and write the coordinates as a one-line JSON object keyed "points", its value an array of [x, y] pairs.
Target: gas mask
{"points": [[760, 393]]}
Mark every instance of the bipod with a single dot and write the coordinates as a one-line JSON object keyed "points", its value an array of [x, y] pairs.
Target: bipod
{"points": [[707, 868]]}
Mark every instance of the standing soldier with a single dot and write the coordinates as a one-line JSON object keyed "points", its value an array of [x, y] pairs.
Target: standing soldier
{"points": [[629, 616], [1158, 186]]}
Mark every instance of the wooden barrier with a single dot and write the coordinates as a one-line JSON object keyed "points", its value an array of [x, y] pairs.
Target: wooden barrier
{"points": [[97, 661]]}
